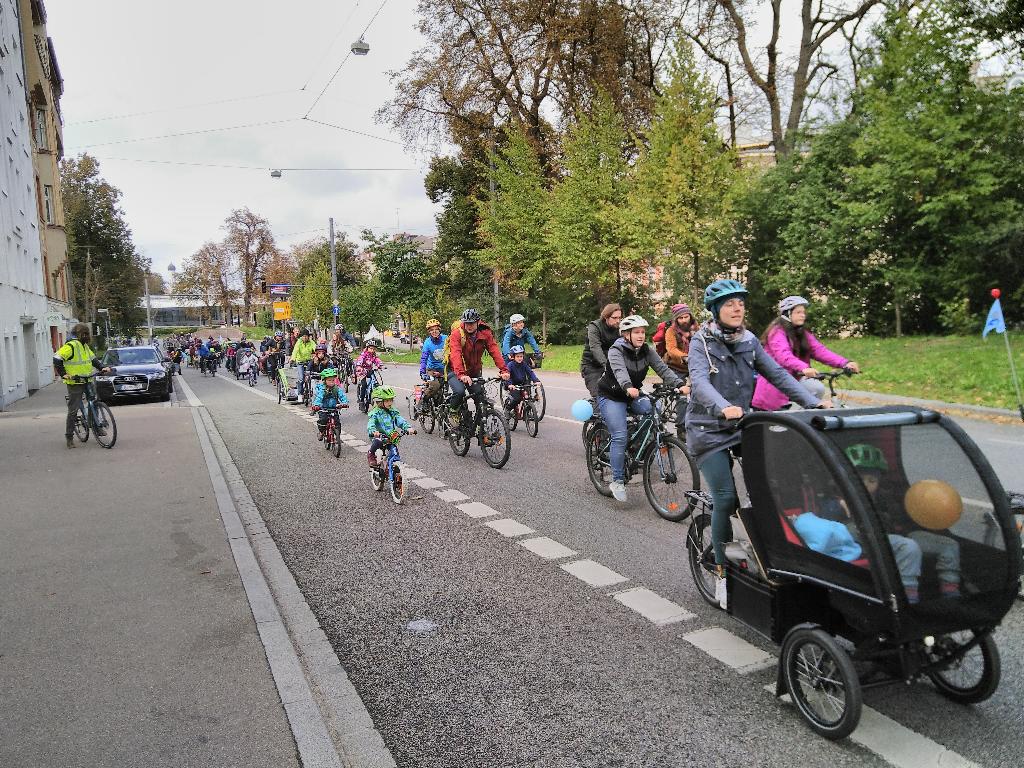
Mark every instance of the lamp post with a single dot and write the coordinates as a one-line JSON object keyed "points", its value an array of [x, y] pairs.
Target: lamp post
{"points": [[106, 324], [149, 305]]}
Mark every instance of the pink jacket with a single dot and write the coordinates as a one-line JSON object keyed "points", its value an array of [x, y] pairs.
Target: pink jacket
{"points": [[367, 362], [766, 396]]}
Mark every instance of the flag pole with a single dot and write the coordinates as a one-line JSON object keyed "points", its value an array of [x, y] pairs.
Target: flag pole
{"points": [[1009, 351]]}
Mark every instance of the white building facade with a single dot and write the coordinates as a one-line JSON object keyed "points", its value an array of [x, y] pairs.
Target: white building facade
{"points": [[25, 349]]}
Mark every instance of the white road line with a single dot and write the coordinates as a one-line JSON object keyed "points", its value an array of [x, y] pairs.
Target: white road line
{"points": [[428, 482], [593, 573], [731, 650], [451, 495], [193, 401], [476, 509], [509, 528], [652, 606], [896, 744], [547, 548], [411, 473]]}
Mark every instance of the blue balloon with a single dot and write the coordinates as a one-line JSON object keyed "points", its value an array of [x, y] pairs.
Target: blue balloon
{"points": [[582, 410]]}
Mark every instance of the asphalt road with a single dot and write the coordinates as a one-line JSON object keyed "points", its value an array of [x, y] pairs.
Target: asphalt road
{"points": [[520, 662]]}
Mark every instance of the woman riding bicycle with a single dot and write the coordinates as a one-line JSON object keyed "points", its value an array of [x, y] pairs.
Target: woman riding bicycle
{"points": [[431, 364], [601, 334], [722, 361], [793, 346], [629, 359]]}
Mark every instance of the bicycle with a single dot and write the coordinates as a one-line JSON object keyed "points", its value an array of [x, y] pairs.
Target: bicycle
{"points": [[669, 471], [484, 422], [94, 416], [838, 399], [525, 410], [254, 372], [424, 409], [370, 383], [332, 431], [389, 470]]}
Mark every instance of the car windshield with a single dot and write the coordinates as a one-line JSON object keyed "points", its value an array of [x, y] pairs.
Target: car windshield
{"points": [[131, 356]]}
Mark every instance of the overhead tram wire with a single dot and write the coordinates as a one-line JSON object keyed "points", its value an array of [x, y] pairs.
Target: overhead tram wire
{"points": [[330, 47], [185, 106], [185, 133], [350, 130], [245, 167], [347, 55]]}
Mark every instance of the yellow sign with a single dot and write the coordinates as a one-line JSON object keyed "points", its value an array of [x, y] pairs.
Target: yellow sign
{"points": [[282, 310]]}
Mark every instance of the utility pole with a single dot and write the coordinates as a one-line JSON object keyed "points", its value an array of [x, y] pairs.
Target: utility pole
{"points": [[334, 272], [491, 181], [149, 306]]}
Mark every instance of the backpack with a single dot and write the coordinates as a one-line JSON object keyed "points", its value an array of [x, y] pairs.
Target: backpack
{"points": [[456, 326], [659, 338]]}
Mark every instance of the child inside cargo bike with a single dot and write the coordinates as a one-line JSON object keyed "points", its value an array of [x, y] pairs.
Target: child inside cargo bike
{"points": [[908, 541]]}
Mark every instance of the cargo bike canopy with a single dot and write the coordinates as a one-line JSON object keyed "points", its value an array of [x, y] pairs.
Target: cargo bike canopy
{"points": [[894, 509]]}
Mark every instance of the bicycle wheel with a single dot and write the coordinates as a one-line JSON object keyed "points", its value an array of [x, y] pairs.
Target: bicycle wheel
{"points": [[414, 412], [81, 426], [669, 473], [495, 439], [698, 550], [512, 418], [377, 480], [973, 677], [104, 425], [458, 436], [337, 438], [822, 681], [531, 419], [598, 464], [397, 484], [428, 417], [542, 402]]}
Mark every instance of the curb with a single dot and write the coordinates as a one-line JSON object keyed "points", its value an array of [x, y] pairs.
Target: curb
{"points": [[937, 405]]}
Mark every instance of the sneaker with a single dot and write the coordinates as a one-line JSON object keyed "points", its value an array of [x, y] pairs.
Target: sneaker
{"points": [[70, 442], [721, 591], [618, 490], [319, 435]]}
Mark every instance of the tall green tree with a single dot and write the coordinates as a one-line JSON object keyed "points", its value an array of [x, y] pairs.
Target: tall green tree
{"points": [[400, 274], [106, 271]]}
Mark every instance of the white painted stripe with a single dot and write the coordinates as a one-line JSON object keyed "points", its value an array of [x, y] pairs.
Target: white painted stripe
{"points": [[451, 495], [896, 744], [476, 509], [509, 527], [593, 573], [731, 650], [411, 473], [652, 606], [547, 548], [193, 401], [428, 482]]}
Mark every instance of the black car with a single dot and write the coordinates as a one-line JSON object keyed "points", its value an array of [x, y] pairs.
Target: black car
{"points": [[136, 372]]}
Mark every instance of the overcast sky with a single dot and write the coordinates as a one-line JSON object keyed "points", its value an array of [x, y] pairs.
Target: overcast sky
{"points": [[120, 57]]}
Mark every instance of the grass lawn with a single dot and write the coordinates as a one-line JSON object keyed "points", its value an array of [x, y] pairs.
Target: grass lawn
{"points": [[958, 369]]}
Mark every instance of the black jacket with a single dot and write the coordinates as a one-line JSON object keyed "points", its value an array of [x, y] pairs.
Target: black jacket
{"points": [[600, 337]]}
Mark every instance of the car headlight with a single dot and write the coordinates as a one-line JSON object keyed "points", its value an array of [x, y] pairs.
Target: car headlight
{"points": [[105, 379], [158, 375]]}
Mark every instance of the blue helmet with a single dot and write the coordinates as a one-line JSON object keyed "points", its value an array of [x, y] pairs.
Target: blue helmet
{"points": [[516, 350], [720, 290]]}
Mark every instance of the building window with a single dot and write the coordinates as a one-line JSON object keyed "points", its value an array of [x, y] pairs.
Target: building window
{"points": [[48, 203], [41, 139]]}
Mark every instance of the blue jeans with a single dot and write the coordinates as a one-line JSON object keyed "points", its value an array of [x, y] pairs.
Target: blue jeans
{"points": [[614, 414], [717, 471], [303, 368]]}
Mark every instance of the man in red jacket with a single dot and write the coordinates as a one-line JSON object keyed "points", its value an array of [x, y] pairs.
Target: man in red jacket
{"points": [[465, 362]]}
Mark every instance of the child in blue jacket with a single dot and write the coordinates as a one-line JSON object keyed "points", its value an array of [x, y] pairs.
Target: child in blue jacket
{"points": [[327, 397], [384, 421], [521, 375]]}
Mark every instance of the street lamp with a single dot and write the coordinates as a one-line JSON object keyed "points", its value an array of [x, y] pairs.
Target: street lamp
{"points": [[275, 173], [360, 47], [106, 323]]}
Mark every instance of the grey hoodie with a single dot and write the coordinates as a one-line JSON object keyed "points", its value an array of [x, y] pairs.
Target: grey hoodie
{"points": [[627, 367]]}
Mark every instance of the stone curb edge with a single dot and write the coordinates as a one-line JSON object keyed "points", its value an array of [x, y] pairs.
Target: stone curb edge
{"points": [[332, 697]]}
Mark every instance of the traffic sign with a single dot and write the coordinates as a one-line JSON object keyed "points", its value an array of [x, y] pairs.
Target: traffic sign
{"points": [[280, 288], [337, 310], [282, 310]]}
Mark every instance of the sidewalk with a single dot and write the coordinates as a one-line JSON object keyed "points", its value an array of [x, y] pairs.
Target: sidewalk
{"points": [[126, 636]]}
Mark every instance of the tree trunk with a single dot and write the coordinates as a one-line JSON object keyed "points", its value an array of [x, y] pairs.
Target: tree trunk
{"points": [[899, 317], [544, 324]]}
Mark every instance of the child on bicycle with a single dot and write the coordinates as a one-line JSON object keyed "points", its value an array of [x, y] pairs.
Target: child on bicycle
{"points": [[327, 397], [319, 362], [367, 363], [384, 421], [520, 375]]}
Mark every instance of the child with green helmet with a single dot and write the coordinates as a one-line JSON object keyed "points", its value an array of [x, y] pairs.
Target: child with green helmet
{"points": [[327, 397], [384, 421]]}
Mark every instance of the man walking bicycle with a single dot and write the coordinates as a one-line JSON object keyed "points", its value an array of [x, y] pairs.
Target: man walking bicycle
{"points": [[75, 361]]}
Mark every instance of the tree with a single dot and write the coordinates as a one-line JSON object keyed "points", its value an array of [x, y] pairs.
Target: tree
{"points": [[157, 285], [106, 271], [996, 19], [310, 255], [312, 300], [251, 244], [361, 306], [206, 275], [678, 205], [399, 274]]}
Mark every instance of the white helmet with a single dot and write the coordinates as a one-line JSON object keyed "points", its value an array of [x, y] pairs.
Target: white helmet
{"points": [[631, 322], [790, 303], [516, 318]]}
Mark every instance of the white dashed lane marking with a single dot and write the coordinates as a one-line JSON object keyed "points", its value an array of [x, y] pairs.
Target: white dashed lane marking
{"points": [[547, 548], [476, 509], [428, 482], [593, 573], [653, 606], [732, 651], [411, 473], [451, 495], [509, 527]]}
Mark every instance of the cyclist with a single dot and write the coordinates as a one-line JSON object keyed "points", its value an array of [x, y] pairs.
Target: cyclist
{"points": [[273, 356], [74, 361], [302, 353], [431, 368], [384, 421], [367, 363], [204, 355], [601, 334], [467, 342], [264, 344], [629, 359], [521, 375], [793, 346], [722, 361], [319, 362], [327, 397], [517, 334], [174, 352], [348, 338]]}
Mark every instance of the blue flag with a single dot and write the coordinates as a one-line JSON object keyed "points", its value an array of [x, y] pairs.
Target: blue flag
{"points": [[994, 322]]}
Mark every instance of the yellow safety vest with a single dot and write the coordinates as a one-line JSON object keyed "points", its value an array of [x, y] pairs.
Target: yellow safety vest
{"points": [[77, 360]]}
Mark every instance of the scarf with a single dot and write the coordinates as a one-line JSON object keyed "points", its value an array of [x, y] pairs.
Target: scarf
{"points": [[725, 335]]}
